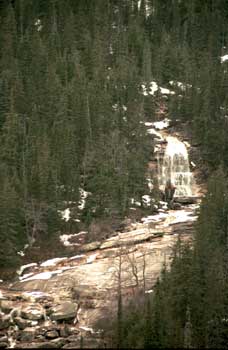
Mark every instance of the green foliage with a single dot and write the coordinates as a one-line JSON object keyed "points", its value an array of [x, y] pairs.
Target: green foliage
{"points": [[63, 68], [70, 107]]}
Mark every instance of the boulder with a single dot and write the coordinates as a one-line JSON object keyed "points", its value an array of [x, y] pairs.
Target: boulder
{"points": [[110, 244], [3, 339], [6, 306], [27, 335], [59, 342], [65, 331], [4, 321], [40, 337], [90, 246], [73, 338], [186, 200], [52, 334], [3, 345], [21, 323], [32, 312], [64, 311]]}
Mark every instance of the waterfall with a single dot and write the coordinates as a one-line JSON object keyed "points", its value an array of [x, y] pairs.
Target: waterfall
{"points": [[175, 167]]}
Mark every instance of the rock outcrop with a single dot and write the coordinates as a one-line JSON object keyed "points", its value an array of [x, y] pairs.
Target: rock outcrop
{"points": [[58, 303]]}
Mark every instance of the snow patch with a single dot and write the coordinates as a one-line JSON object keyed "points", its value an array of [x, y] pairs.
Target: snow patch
{"points": [[91, 258], [183, 216], [181, 85], [146, 200], [224, 58], [22, 252], [65, 214], [52, 262], [152, 131], [149, 291], [24, 267], [84, 194], [76, 257], [154, 87], [133, 201], [26, 275], [1, 296], [42, 276], [34, 295], [163, 124], [154, 218], [65, 238], [150, 184], [38, 25], [148, 124], [187, 144]]}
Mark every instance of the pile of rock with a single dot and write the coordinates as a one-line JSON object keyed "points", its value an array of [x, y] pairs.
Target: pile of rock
{"points": [[42, 323]]}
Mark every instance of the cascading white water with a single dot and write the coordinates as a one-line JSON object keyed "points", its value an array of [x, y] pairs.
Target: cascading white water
{"points": [[175, 167]]}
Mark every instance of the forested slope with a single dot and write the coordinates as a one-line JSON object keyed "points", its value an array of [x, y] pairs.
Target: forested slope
{"points": [[71, 104]]}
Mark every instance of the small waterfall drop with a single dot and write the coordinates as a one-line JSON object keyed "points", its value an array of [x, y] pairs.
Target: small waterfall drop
{"points": [[175, 167]]}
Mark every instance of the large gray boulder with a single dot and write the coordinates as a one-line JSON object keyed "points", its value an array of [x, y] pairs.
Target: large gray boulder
{"points": [[64, 311]]}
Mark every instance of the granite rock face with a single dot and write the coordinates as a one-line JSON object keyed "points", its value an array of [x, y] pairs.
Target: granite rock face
{"points": [[58, 306]]}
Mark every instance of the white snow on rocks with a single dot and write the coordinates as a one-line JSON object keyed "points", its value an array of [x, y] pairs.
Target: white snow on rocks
{"points": [[65, 214], [65, 238], [42, 276], [163, 124], [181, 85], [34, 295], [177, 216], [22, 252], [154, 87], [148, 124], [91, 258], [149, 291], [24, 267], [224, 58], [52, 262], [84, 194], [75, 257], [146, 200], [183, 216], [154, 218], [152, 131]]}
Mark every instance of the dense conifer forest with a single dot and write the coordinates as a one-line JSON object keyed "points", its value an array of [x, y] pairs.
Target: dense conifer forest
{"points": [[72, 116]]}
